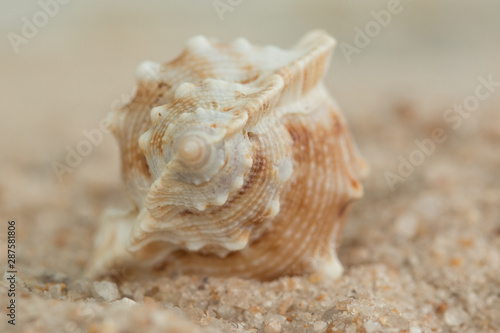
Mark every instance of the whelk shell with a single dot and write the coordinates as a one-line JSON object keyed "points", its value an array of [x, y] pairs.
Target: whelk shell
{"points": [[237, 162]]}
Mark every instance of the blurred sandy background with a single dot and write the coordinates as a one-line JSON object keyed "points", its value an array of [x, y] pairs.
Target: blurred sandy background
{"points": [[66, 78]]}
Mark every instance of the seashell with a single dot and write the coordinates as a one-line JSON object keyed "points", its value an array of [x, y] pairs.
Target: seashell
{"points": [[237, 162]]}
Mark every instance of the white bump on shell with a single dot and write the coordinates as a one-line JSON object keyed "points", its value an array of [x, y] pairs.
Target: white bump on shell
{"points": [[148, 71], [184, 90], [198, 43], [242, 45], [285, 170], [156, 113]]}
